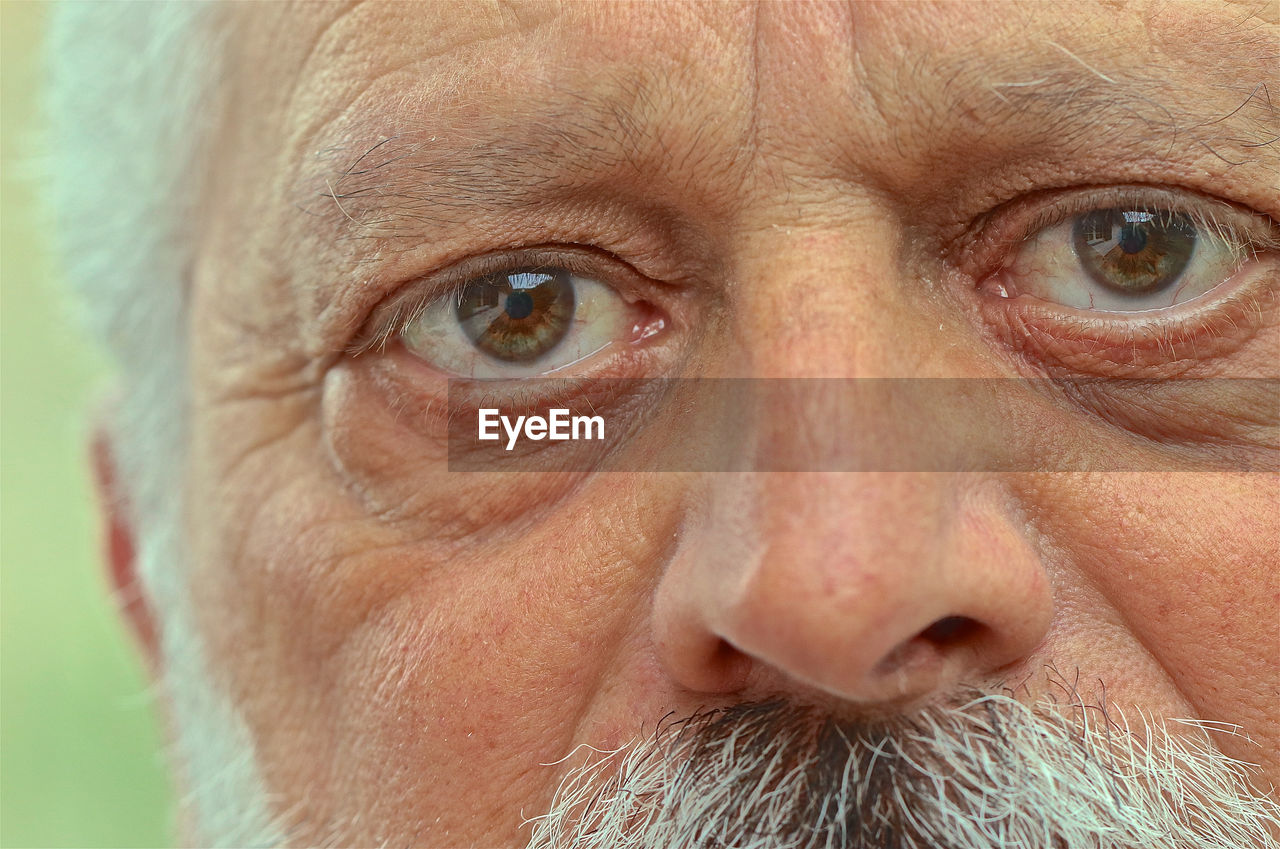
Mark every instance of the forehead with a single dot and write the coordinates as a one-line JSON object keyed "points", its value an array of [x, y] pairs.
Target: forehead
{"points": [[408, 119], [865, 88], [443, 50]]}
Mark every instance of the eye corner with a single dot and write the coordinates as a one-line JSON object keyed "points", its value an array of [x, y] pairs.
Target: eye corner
{"points": [[387, 321]]}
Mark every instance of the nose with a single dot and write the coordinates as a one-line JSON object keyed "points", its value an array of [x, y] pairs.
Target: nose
{"points": [[872, 587], [878, 583]]}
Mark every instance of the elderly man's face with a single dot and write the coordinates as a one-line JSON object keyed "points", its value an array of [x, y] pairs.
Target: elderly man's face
{"points": [[1020, 195]]}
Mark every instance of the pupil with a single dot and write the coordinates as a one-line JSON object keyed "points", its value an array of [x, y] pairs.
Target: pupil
{"points": [[1133, 252], [519, 305], [1132, 239], [517, 316]]}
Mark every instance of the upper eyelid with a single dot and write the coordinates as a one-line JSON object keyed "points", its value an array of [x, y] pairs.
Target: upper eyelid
{"points": [[998, 233], [412, 299], [1181, 336]]}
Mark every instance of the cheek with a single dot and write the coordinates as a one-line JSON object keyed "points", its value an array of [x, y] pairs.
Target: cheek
{"points": [[388, 443], [1187, 560], [405, 642]]}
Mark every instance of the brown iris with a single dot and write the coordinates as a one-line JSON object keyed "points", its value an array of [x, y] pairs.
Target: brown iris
{"points": [[1134, 252], [517, 316]]}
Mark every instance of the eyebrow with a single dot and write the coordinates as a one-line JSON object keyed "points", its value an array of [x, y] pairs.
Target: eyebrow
{"points": [[445, 171], [435, 176], [1083, 97], [439, 172]]}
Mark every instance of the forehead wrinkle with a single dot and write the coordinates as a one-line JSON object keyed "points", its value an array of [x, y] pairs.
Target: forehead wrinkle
{"points": [[340, 68], [445, 91], [1041, 91], [465, 162], [434, 158], [432, 164], [298, 73]]}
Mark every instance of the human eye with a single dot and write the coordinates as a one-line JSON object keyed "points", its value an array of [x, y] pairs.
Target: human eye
{"points": [[528, 315], [1130, 258], [1127, 275], [517, 323]]}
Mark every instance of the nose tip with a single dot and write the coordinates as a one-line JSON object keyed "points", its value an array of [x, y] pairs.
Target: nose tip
{"points": [[867, 611]]}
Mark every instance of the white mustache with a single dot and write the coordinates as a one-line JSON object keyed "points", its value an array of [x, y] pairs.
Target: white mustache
{"points": [[988, 772]]}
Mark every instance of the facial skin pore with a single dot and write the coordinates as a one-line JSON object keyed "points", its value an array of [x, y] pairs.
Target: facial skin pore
{"points": [[802, 190]]}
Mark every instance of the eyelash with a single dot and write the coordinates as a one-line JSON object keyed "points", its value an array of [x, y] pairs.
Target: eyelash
{"points": [[395, 316], [990, 245], [1114, 344]]}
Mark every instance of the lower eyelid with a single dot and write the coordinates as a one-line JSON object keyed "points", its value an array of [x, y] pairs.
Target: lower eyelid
{"points": [[1050, 268], [1156, 343]]}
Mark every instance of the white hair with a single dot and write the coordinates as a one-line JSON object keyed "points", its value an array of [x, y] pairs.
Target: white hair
{"points": [[989, 773], [132, 105]]}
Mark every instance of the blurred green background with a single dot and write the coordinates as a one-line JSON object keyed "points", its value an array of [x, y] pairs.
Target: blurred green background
{"points": [[80, 761]]}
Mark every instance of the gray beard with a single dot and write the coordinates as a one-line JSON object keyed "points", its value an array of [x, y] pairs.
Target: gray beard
{"points": [[984, 772]]}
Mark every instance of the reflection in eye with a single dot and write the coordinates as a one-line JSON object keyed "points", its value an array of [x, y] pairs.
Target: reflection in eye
{"points": [[517, 317], [1125, 259], [1133, 251], [517, 323]]}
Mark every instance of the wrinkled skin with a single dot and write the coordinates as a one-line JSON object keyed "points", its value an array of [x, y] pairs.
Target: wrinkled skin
{"points": [[409, 647]]}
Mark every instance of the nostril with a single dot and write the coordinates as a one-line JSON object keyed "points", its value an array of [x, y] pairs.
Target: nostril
{"points": [[931, 643], [951, 629]]}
